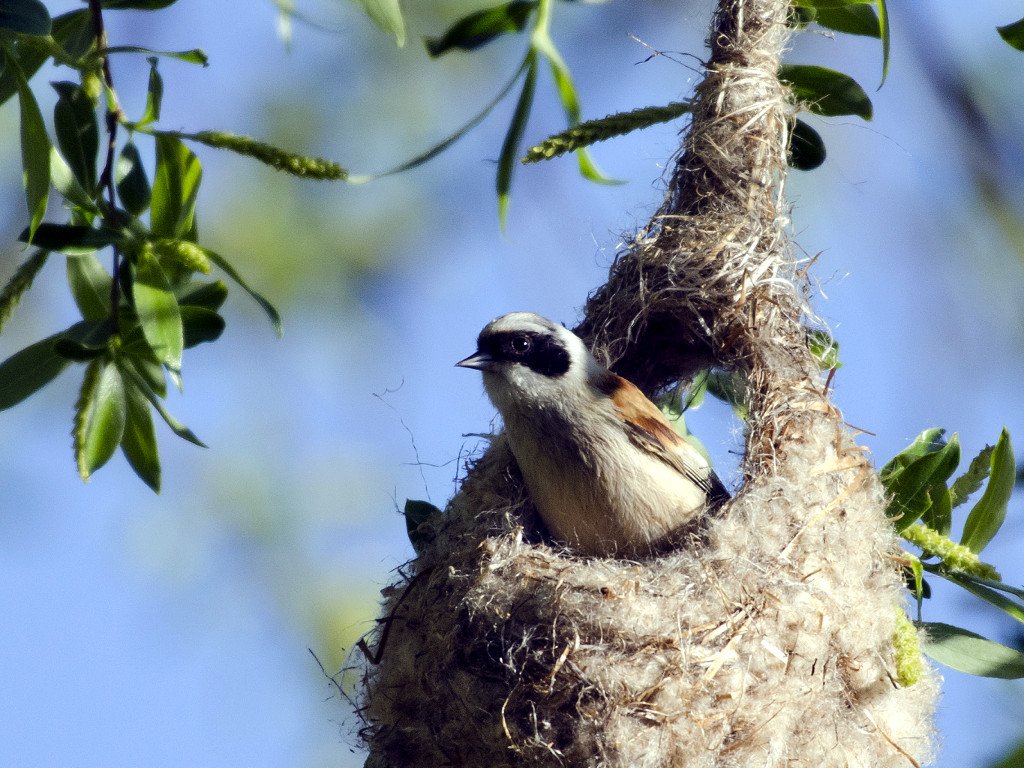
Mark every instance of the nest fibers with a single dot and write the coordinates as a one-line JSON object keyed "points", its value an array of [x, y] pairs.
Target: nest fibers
{"points": [[767, 639]]}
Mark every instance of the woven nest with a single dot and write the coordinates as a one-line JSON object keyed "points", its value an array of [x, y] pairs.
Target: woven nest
{"points": [[767, 640]]}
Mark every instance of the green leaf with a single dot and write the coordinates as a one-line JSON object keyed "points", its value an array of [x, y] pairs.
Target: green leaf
{"points": [[588, 169], [818, 5], [418, 518], [1014, 758], [71, 30], [806, 148], [939, 514], [200, 325], [138, 443], [175, 186], [570, 104], [85, 340], [729, 387], [387, 15], [132, 184], [192, 56], [697, 392], [158, 310], [71, 239], [799, 16], [20, 282], [510, 147], [29, 17], [75, 32], [154, 95], [916, 578], [1010, 607], [441, 146], [825, 91], [136, 353], [825, 6], [272, 313], [992, 584], [99, 416], [908, 477], [27, 371], [139, 5], [1013, 34], [131, 374], [929, 441], [672, 402], [883, 22], [969, 482], [966, 651], [825, 349], [65, 182], [479, 28], [35, 150], [563, 78], [29, 59], [859, 19], [74, 119], [175, 377], [90, 286], [209, 296], [988, 514]]}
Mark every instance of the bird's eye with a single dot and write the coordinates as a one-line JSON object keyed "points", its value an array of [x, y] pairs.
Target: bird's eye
{"points": [[519, 345]]}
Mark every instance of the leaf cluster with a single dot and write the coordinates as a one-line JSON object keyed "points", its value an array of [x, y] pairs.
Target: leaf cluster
{"points": [[152, 304], [922, 498]]}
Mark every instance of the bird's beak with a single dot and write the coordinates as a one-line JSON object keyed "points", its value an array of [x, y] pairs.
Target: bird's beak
{"points": [[479, 360]]}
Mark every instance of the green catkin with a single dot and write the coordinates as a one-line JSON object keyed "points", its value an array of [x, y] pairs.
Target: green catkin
{"points": [[289, 162], [181, 253], [954, 556], [593, 131], [906, 650]]}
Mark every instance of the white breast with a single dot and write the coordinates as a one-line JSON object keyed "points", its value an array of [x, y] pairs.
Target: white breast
{"points": [[612, 499]]}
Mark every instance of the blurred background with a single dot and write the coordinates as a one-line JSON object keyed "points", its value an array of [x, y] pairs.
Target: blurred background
{"points": [[173, 630]]}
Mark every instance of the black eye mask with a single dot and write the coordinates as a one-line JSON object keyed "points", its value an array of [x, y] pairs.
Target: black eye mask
{"points": [[540, 352]]}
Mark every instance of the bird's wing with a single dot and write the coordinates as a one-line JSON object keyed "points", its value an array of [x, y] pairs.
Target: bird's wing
{"points": [[648, 429]]}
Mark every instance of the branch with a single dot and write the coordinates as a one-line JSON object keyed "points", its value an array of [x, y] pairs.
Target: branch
{"points": [[112, 118]]}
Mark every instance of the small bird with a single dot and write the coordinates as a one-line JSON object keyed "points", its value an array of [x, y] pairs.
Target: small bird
{"points": [[606, 471]]}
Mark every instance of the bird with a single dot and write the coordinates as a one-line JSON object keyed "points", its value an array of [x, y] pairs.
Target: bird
{"points": [[606, 471]]}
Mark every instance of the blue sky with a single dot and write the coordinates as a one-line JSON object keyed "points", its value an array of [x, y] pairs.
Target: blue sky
{"points": [[173, 629]]}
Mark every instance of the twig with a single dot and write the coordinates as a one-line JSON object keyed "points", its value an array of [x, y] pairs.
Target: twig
{"points": [[329, 676], [374, 657], [107, 176]]}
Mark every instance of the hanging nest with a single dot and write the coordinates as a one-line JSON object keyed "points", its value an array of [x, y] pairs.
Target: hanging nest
{"points": [[768, 639]]}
